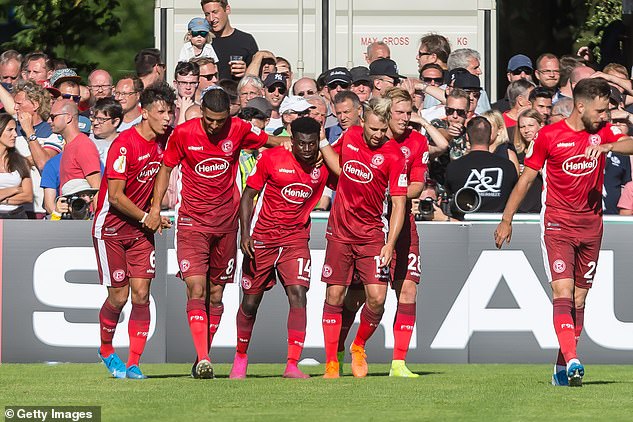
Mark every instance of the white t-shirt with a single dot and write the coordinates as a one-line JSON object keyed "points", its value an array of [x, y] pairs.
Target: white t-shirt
{"points": [[9, 180], [187, 53]]}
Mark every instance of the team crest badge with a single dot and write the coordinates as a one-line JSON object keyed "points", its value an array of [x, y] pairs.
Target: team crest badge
{"points": [[185, 265], [377, 160], [594, 139], [123, 150], [327, 271], [246, 283], [559, 266], [316, 173], [118, 275], [227, 146], [406, 152]]}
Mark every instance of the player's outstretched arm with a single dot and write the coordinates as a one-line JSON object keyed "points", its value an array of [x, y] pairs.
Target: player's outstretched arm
{"points": [[153, 220], [503, 233], [414, 190], [275, 141], [246, 214], [119, 200], [331, 157], [623, 146], [396, 221]]}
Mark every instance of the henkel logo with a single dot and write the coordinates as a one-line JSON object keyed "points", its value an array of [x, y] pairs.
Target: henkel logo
{"points": [[579, 165], [212, 167], [149, 171], [297, 193], [357, 172]]}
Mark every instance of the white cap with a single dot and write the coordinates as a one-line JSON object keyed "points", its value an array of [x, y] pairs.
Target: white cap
{"points": [[75, 186], [294, 103]]}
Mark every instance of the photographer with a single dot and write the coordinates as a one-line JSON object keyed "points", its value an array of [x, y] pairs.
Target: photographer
{"points": [[75, 201]]}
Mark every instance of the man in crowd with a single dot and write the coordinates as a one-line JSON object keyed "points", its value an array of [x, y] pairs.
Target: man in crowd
{"points": [[384, 75], [548, 71], [123, 243], [106, 117], [361, 83], [208, 76], [541, 100], [10, 64], [128, 93], [186, 77], [249, 87], [377, 50], [100, 85], [349, 110], [37, 67], [572, 223], [519, 67], [434, 48], [149, 66], [304, 87], [275, 93], [518, 94]]}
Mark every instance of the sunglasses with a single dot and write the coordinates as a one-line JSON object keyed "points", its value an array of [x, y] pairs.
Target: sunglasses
{"points": [[202, 34], [522, 69], [422, 53], [75, 98], [335, 85], [210, 76], [438, 81], [474, 94], [304, 93], [280, 88], [461, 113]]}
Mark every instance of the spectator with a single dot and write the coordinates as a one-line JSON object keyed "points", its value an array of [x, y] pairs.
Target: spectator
{"points": [[528, 124], [499, 140], [149, 66], [518, 94], [384, 75], [493, 177], [208, 74], [304, 87], [283, 66], [230, 87], [548, 72], [541, 100], [16, 187], [617, 171], [579, 73], [257, 111], [320, 110], [561, 110], [100, 85], [37, 67], [349, 110], [67, 83], [361, 83], [470, 60], [10, 64], [434, 48], [567, 65], [275, 93], [262, 64], [50, 183], [235, 49], [186, 79], [106, 117], [74, 188], [291, 108], [249, 87], [128, 93], [377, 50], [198, 41]]}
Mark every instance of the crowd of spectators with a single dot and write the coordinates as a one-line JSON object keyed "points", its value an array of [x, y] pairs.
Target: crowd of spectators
{"points": [[56, 127]]}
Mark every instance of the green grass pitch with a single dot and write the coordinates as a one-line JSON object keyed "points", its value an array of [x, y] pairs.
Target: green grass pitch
{"points": [[443, 392]]}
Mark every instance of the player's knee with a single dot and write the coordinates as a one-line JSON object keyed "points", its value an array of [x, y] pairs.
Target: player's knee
{"points": [[408, 293], [196, 291], [376, 304], [335, 297], [140, 297], [297, 296], [250, 307], [117, 297]]}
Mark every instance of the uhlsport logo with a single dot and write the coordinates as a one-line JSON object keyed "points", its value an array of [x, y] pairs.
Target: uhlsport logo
{"points": [[579, 165], [357, 172], [296, 193], [212, 167], [377, 160], [149, 171]]}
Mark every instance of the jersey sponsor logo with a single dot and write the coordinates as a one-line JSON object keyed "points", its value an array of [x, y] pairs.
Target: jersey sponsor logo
{"points": [[402, 181], [118, 275], [615, 130], [316, 173], [255, 129], [594, 139], [185, 265], [149, 171], [579, 165], [296, 193], [357, 172], [352, 147], [559, 266], [195, 148], [565, 144], [405, 151], [120, 164], [377, 160], [287, 171], [246, 283], [327, 271], [227, 146], [143, 157], [487, 182], [212, 167]]}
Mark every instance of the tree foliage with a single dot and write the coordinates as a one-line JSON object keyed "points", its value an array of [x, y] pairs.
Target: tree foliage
{"points": [[600, 14]]}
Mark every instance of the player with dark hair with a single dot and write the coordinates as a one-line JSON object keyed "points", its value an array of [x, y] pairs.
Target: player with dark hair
{"points": [[274, 238], [207, 150], [122, 241], [573, 151]]}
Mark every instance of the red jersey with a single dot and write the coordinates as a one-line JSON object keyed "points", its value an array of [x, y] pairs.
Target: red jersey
{"points": [[359, 211], [136, 160], [289, 192], [415, 148], [209, 197], [80, 159], [571, 182]]}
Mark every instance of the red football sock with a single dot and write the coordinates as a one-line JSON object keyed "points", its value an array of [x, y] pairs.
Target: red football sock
{"points": [[403, 329], [347, 320], [197, 316], [565, 328], [137, 329], [108, 319], [215, 315], [331, 330], [369, 321], [296, 333], [579, 321], [244, 330]]}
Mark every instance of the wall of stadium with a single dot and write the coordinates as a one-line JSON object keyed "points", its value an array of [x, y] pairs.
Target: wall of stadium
{"points": [[476, 304]]}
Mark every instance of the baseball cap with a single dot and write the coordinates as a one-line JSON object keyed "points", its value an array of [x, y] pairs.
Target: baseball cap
{"points": [[294, 103], [84, 124], [75, 186], [47, 85], [465, 81], [199, 24], [274, 78], [61, 75], [359, 74], [338, 74], [519, 60], [385, 67], [261, 104]]}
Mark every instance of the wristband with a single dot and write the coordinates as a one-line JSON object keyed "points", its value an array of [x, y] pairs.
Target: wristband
{"points": [[143, 219], [33, 138], [323, 143]]}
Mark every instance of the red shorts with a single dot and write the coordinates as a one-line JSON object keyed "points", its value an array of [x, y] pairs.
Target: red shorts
{"points": [[208, 254], [292, 262], [570, 254], [118, 260], [405, 264], [341, 259]]}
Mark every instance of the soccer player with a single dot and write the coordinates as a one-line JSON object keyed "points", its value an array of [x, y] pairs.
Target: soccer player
{"points": [[369, 164], [123, 243], [207, 150], [275, 240], [405, 265], [572, 151]]}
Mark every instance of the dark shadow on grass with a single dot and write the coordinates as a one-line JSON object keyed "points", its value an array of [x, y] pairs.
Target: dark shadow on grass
{"points": [[604, 382], [386, 374], [169, 376]]}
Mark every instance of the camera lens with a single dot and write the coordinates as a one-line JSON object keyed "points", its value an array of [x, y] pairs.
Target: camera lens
{"points": [[426, 210]]}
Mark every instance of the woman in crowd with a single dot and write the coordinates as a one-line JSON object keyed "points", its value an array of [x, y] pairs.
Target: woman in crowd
{"points": [[529, 123], [16, 187]]}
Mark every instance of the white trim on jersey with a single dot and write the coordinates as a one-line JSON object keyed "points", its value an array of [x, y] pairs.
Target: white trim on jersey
{"points": [[548, 272], [103, 263], [258, 209], [100, 218], [383, 216], [177, 207]]}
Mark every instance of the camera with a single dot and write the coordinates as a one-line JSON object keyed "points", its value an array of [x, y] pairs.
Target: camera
{"points": [[464, 201], [426, 211], [78, 208]]}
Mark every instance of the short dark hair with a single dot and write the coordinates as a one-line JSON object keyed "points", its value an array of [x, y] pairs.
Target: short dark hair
{"points": [[159, 91], [478, 131], [343, 96], [305, 125], [146, 59], [250, 113], [438, 45], [37, 55], [431, 66], [567, 65], [185, 68], [230, 86], [216, 100], [540, 92], [223, 3], [590, 88], [110, 107]]}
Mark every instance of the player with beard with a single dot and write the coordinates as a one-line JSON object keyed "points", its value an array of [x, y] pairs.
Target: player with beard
{"points": [[274, 238], [123, 242], [371, 171], [573, 152]]}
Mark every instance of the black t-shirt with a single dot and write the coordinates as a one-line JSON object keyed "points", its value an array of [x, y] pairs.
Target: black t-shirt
{"points": [[502, 105], [617, 173], [493, 177], [237, 44], [533, 198]]}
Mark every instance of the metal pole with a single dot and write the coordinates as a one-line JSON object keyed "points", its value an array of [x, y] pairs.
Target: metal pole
{"points": [[350, 34], [325, 35], [300, 63]]}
